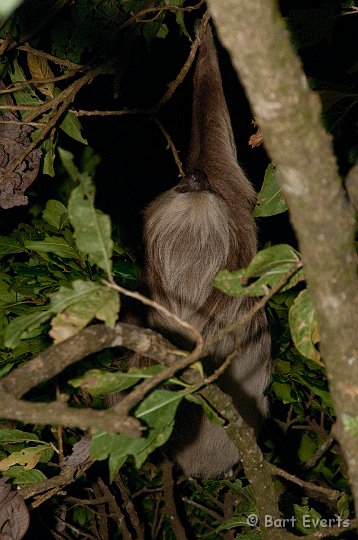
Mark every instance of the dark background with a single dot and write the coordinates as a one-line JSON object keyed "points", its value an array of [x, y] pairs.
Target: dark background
{"points": [[136, 165]]}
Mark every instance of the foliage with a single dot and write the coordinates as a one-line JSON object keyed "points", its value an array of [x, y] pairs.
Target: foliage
{"points": [[51, 286]]}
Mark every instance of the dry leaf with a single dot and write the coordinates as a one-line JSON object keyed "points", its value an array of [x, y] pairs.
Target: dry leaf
{"points": [[40, 70], [14, 515]]}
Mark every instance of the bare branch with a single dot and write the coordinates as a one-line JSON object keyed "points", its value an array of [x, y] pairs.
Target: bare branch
{"points": [[171, 146], [137, 17], [130, 508], [170, 509], [60, 61], [88, 341], [331, 494], [58, 413]]}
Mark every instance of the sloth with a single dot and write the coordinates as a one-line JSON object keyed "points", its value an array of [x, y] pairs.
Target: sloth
{"points": [[198, 227]]}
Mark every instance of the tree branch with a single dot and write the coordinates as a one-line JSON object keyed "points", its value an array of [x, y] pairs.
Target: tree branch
{"points": [[88, 341], [290, 117]]}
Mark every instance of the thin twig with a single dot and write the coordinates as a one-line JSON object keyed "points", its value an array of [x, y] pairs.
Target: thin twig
{"points": [[171, 146], [60, 61], [331, 494], [66, 96], [151, 303], [172, 86], [221, 369], [18, 107], [122, 112], [67, 476], [17, 85], [204, 509], [170, 509], [130, 508], [137, 16], [102, 515], [23, 123], [116, 511]]}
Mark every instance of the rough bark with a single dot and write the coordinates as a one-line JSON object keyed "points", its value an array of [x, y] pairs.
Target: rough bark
{"points": [[289, 115]]}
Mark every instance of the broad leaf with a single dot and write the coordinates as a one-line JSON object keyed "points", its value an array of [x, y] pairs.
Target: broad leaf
{"points": [[40, 70], [10, 245], [78, 305], [25, 95], [267, 269], [19, 475], [22, 326], [304, 327], [72, 127], [10, 436], [49, 158], [269, 200], [28, 457], [92, 227], [53, 244], [306, 519], [99, 382], [158, 412], [55, 214]]}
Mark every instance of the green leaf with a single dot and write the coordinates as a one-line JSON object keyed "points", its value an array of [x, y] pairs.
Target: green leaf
{"points": [[67, 162], [49, 158], [269, 199], [284, 392], [10, 436], [99, 382], [25, 95], [246, 503], [53, 244], [179, 17], [238, 521], [212, 415], [151, 29], [20, 327], [21, 476], [10, 245], [158, 411], [304, 326], [269, 266], [90, 160], [308, 446], [55, 214], [163, 31], [92, 227], [78, 305], [7, 293], [307, 519], [72, 127], [343, 507]]}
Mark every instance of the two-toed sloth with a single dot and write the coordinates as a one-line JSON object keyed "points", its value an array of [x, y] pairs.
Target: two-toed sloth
{"points": [[192, 231]]}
